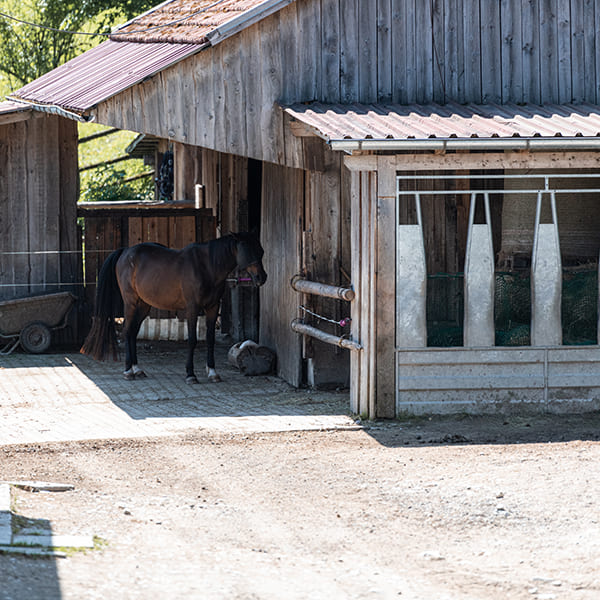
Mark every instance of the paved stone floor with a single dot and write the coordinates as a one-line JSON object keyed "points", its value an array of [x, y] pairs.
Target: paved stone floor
{"points": [[66, 397]]}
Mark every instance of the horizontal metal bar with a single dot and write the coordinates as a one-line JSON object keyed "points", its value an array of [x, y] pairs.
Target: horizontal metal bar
{"points": [[496, 192], [299, 327], [321, 289], [522, 351], [507, 176]]}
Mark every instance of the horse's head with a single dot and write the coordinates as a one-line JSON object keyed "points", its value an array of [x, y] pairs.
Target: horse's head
{"points": [[249, 255]]}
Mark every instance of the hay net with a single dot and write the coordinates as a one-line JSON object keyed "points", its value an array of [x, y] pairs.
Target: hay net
{"points": [[512, 307]]}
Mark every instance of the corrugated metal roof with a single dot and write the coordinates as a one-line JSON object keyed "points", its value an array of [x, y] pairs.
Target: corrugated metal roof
{"points": [[8, 107], [373, 125], [123, 61], [102, 72], [195, 21]]}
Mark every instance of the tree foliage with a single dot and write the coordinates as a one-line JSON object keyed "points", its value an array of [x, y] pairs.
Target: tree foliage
{"points": [[27, 52], [110, 183]]}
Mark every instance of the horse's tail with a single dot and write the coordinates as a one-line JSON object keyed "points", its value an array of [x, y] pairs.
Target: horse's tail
{"points": [[102, 338]]}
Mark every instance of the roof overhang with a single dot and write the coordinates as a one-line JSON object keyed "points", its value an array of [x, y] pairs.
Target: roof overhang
{"points": [[139, 50], [449, 127], [75, 88], [11, 112]]}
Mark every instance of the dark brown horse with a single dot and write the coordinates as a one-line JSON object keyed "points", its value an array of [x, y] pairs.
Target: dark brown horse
{"points": [[192, 280]]}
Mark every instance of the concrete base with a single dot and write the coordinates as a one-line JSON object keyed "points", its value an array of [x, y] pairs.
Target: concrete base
{"points": [[498, 380]]}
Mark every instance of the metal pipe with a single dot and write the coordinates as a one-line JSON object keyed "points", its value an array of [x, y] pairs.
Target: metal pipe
{"points": [[322, 289], [342, 342]]}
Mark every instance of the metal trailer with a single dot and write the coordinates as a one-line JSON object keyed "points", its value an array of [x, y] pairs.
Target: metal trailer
{"points": [[30, 321]]}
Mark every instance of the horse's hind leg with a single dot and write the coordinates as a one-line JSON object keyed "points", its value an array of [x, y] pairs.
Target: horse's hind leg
{"points": [[134, 315], [190, 376], [211, 322]]}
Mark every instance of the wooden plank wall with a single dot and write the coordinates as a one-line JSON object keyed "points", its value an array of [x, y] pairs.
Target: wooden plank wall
{"points": [[327, 259], [283, 190], [38, 195], [342, 51], [109, 228]]}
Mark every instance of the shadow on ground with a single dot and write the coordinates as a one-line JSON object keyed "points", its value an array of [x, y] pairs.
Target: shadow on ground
{"points": [[486, 430]]}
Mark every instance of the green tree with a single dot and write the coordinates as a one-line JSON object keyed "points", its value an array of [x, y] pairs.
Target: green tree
{"points": [[27, 52]]}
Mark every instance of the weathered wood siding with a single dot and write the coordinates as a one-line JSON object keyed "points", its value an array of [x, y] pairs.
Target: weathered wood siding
{"points": [[107, 228], [39, 241], [327, 259], [342, 51], [283, 190]]}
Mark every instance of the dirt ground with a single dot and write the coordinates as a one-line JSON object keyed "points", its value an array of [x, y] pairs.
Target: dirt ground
{"points": [[444, 508]]}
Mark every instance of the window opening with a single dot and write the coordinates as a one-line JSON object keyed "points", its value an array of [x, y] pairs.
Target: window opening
{"points": [[445, 200]]}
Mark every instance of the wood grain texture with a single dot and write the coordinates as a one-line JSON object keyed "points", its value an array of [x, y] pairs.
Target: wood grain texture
{"points": [[226, 97]]}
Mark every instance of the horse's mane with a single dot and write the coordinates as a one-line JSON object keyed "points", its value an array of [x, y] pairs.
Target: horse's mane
{"points": [[220, 250]]}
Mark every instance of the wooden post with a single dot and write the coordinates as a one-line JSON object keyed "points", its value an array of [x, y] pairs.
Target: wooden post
{"points": [[363, 221], [384, 285]]}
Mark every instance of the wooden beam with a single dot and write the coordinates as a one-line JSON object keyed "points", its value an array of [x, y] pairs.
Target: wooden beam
{"points": [[14, 117], [112, 161], [361, 162], [300, 129], [385, 297], [488, 160], [99, 134]]}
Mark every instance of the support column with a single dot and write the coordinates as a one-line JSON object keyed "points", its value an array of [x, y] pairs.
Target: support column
{"points": [[363, 220], [411, 298], [546, 280], [385, 288], [479, 282]]}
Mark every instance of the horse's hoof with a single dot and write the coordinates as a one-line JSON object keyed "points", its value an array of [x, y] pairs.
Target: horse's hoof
{"points": [[129, 375], [140, 375], [192, 379], [215, 378]]}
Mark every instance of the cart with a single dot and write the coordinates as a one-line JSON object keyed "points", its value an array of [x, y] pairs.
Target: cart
{"points": [[30, 321]]}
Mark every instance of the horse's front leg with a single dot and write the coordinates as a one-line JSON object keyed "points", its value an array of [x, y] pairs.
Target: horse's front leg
{"points": [[192, 341], [211, 321]]}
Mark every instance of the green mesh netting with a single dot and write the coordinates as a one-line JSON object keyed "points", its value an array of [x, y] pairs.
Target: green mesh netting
{"points": [[512, 308], [580, 307]]}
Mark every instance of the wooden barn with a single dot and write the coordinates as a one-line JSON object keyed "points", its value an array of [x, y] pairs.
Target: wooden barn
{"points": [[437, 158], [39, 241]]}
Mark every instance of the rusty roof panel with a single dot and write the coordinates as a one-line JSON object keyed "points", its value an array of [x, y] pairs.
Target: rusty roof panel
{"points": [[102, 72], [124, 61], [448, 121], [192, 21]]}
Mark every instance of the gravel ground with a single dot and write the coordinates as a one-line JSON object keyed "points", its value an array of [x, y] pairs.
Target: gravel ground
{"points": [[454, 507]]}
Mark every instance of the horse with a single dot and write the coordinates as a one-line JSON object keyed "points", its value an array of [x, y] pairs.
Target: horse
{"points": [[149, 275]]}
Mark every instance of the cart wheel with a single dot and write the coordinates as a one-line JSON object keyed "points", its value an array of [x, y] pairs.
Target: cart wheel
{"points": [[35, 337]]}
